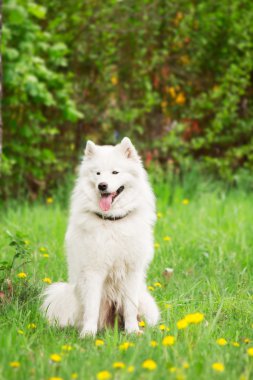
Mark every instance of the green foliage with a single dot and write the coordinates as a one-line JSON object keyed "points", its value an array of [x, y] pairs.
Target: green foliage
{"points": [[22, 251], [176, 76], [37, 100], [8, 268]]}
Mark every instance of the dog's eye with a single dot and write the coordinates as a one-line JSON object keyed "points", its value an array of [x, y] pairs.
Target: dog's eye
{"points": [[98, 173], [115, 172]]}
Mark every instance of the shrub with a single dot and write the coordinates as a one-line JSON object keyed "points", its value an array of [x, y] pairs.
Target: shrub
{"points": [[176, 76], [37, 103]]}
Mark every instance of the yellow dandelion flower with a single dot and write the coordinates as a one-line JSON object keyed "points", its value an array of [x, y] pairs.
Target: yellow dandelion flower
{"points": [[250, 351], [221, 342], [56, 358], [45, 255], [167, 238], [236, 344], [185, 201], [47, 280], [42, 249], [74, 375], [153, 343], [21, 332], [31, 326], [163, 328], [194, 318], [168, 340], [180, 99], [114, 80], [246, 340], [49, 200], [22, 275], [218, 367], [119, 365], [14, 364], [125, 346], [149, 364], [55, 378], [182, 324], [156, 245], [130, 369], [157, 284], [27, 242], [185, 365], [142, 324], [103, 375], [159, 215], [172, 369], [66, 347], [198, 317], [151, 288], [99, 342]]}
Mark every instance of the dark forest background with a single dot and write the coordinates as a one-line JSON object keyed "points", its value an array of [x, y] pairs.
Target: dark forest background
{"points": [[173, 75]]}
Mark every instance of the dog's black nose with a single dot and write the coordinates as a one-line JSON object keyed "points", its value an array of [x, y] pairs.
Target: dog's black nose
{"points": [[102, 186]]}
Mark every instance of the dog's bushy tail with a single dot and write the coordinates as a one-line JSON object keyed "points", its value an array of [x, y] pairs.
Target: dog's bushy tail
{"points": [[60, 304]]}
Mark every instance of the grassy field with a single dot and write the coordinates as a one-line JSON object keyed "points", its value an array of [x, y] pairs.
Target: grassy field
{"points": [[205, 234]]}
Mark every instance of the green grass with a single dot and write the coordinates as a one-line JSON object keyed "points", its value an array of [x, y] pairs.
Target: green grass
{"points": [[211, 251]]}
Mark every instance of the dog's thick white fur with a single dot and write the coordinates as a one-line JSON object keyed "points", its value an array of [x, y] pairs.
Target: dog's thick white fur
{"points": [[109, 244]]}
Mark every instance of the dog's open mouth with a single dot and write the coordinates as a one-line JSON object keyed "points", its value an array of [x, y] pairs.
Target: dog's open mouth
{"points": [[106, 199]]}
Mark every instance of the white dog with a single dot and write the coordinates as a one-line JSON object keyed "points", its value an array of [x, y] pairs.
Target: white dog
{"points": [[109, 244]]}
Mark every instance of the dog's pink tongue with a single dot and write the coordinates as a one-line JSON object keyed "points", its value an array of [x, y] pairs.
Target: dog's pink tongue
{"points": [[105, 202]]}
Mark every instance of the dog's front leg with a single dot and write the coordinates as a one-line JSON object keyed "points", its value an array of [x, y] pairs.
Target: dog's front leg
{"points": [[131, 299], [91, 291]]}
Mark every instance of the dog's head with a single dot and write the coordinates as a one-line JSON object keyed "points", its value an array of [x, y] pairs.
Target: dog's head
{"points": [[111, 176]]}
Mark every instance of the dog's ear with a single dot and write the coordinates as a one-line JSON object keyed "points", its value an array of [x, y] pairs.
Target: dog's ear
{"points": [[128, 149], [89, 149]]}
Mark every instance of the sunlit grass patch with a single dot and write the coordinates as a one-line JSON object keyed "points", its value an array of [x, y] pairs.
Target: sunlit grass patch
{"points": [[206, 307]]}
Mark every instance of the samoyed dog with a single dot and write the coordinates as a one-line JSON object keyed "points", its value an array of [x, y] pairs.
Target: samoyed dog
{"points": [[109, 243]]}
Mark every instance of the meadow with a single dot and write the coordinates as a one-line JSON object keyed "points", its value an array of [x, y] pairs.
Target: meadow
{"points": [[203, 231]]}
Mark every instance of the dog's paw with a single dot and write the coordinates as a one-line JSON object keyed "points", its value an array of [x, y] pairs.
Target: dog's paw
{"points": [[132, 329], [88, 331], [152, 318]]}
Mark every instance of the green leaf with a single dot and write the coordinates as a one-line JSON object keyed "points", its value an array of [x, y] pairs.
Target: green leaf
{"points": [[17, 15], [37, 10]]}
